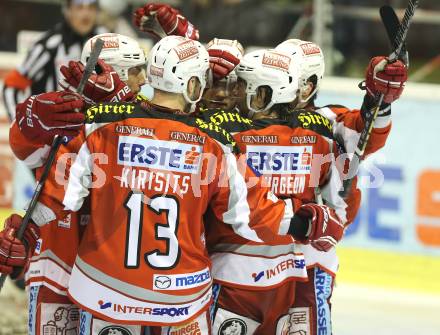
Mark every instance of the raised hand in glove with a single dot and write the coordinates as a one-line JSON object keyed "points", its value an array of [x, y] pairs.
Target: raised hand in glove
{"points": [[170, 21], [317, 225], [224, 56], [386, 78], [41, 117], [103, 87], [13, 252]]}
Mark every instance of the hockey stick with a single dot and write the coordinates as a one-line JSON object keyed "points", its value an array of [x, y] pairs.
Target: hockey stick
{"points": [[90, 66], [392, 24], [370, 115]]}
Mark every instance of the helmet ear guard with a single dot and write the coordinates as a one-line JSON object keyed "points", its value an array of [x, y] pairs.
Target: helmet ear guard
{"points": [[310, 58]]}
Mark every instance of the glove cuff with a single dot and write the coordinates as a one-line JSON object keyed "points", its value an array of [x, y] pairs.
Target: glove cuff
{"points": [[369, 103]]}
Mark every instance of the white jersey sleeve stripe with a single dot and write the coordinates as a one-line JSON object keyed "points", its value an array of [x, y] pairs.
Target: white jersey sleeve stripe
{"points": [[331, 197], [79, 180], [238, 211]]}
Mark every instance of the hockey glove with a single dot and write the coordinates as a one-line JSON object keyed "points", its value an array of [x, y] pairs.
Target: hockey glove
{"points": [[387, 79], [317, 225], [224, 56], [103, 87], [170, 21], [13, 252], [41, 117]]}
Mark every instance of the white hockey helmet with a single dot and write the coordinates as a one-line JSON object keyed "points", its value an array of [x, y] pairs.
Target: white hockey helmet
{"points": [[269, 67], [173, 61], [119, 51], [311, 60]]}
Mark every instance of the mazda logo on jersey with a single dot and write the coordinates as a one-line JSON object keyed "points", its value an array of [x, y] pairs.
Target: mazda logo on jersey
{"points": [[233, 326], [162, 282], [114, 330], [181, 281], [157, 154]]}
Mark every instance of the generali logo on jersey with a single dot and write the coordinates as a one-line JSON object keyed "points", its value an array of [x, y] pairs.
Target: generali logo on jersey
{"points": [[276, 60], [310, 49], [186, 50]]}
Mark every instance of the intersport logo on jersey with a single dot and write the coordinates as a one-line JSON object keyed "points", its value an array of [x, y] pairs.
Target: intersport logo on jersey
{"points": [[157, 311], [160, 155], [280, 159]]}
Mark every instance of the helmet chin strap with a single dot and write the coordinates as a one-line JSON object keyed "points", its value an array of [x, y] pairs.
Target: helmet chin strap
{"points": [[253, 111], [304, 86], [193, 103]]}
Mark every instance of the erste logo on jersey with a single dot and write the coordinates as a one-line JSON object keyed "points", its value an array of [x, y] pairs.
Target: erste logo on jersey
{"points": [[160, 155], [181, 281], [280, 159]]}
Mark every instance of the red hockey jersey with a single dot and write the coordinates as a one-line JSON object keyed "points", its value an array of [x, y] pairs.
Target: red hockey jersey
{"points": [[151, 176]]}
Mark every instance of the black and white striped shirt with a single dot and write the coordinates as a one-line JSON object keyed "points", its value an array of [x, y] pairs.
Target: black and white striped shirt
{"points": [[41, 66]]}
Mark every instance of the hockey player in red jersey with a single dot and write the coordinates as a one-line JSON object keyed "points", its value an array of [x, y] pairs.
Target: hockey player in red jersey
{"points": [[251, 275], [313, 297], [105, 278], [217, 98], [38, 119]]}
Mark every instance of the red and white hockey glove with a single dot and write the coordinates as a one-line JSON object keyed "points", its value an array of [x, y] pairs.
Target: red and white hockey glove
{"points": [[324, 230], [41, 117], [13, 252], [170, 21], [103, 87], [387, 79], [224, 56]]}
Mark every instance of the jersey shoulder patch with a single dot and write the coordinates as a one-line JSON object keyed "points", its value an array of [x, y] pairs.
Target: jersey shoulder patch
{"points": [[313, 121], [106, 112], [217, 133], [231, 121]]}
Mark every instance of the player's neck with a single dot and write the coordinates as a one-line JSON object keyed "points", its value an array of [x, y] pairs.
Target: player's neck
{"points": [[169, 100]]}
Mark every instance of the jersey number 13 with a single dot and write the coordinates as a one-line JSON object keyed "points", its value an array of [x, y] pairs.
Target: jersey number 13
{"points": [[163, 231]]}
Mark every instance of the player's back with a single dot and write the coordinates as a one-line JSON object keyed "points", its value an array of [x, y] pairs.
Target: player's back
{"points": [[281, 151], [142, 257]]}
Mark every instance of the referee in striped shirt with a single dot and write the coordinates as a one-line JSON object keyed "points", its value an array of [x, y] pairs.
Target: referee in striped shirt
{"points": [[39, 72]]}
